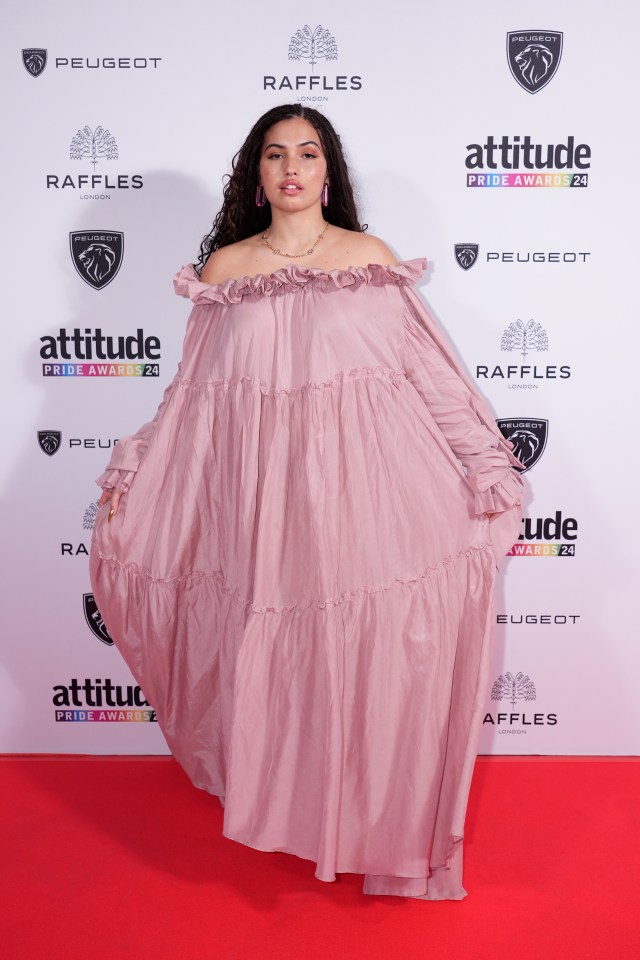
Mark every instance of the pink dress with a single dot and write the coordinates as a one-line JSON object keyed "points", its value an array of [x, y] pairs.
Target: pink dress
{"points": [[300, 575]]}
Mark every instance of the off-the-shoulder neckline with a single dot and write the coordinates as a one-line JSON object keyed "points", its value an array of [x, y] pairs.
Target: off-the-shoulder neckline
{"points": [[187, 281], [254, 278]]}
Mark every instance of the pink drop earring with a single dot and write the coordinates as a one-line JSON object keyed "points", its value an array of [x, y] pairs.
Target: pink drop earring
{"points": [[325, 195], [261, 197]]}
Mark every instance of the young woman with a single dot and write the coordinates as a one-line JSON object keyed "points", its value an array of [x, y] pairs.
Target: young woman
{"points": [[300, 551]]}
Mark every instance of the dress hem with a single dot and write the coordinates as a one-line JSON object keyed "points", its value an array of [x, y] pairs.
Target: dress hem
{"points": [[371, 880]]}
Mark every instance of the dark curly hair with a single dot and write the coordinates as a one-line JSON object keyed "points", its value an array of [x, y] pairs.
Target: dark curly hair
{"points": [[239, 217]]}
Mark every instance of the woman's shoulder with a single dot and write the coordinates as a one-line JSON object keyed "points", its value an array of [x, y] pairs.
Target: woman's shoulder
{"points": [[224, 263], [361, 249]]}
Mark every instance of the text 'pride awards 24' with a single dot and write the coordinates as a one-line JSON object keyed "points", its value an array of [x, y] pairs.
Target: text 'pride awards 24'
{"points": [[100, 355], [518, 162]]}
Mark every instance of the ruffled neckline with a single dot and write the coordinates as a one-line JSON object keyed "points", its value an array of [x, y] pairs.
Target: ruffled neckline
{"points": [[292, 277]]}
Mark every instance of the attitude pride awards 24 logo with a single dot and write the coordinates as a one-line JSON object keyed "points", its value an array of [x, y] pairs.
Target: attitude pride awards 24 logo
{"points": [[468, 254], [99, 354], [517, 690], [546, 537], [100, 701], [534, 57], [528, 340], [517, 161], [529, 439], [317, 48], [93, 147]]}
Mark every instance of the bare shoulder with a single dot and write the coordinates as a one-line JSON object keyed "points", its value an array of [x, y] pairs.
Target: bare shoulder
{"points": [[379, 252], [365, 248], [222, 264]]}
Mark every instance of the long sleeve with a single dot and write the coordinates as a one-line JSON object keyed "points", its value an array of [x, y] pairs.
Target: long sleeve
{"points": [[129, 451], [463, 417]]}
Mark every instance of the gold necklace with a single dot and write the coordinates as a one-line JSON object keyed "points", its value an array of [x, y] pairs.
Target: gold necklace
{"points": [[294, 256]]}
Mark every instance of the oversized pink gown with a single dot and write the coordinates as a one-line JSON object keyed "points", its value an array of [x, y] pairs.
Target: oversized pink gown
{"points": [[301, 571]]}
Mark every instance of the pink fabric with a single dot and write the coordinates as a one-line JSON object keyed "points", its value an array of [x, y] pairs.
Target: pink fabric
{"points": [[301, 573]]}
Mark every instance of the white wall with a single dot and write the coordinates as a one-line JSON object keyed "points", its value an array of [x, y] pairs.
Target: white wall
{"points": [[433, 78]]}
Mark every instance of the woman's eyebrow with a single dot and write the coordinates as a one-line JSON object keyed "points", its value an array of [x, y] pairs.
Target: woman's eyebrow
{"points": [[281, 146]]}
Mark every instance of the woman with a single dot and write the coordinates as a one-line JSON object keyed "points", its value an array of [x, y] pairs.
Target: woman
{"points": [[299, 557]]}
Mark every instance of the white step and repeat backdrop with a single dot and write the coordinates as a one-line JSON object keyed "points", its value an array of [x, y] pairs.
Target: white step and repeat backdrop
{"points": [[498, 140]]}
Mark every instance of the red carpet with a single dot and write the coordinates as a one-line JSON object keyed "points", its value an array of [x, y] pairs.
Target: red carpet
{"points": [[109, 858]]}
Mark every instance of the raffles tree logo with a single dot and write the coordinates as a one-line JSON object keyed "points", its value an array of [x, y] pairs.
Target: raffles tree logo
{"points": [[312, 45], [93, 145], [534, 57], [524, 337], [34, 60], [508, 687], [90, 515]]}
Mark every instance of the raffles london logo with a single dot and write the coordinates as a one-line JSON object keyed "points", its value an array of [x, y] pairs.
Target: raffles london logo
{"points": [[546, 537], [34, 60], [529, 439], [92, 353], [81, 550], [316, 48], [517, 691], [97, 255], [534, 57], [468, 254], [519, 162], [100, 701], [528, 341], [92, 148]]}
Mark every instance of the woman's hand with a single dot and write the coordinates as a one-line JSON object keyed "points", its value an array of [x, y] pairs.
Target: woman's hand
{"points": [[112, 497]]}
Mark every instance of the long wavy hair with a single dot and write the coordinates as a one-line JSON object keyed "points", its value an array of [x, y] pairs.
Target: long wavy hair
{"points": [[239, 217]]}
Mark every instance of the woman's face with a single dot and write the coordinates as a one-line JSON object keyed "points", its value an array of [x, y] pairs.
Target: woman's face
{"points": [[293, 168]]}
